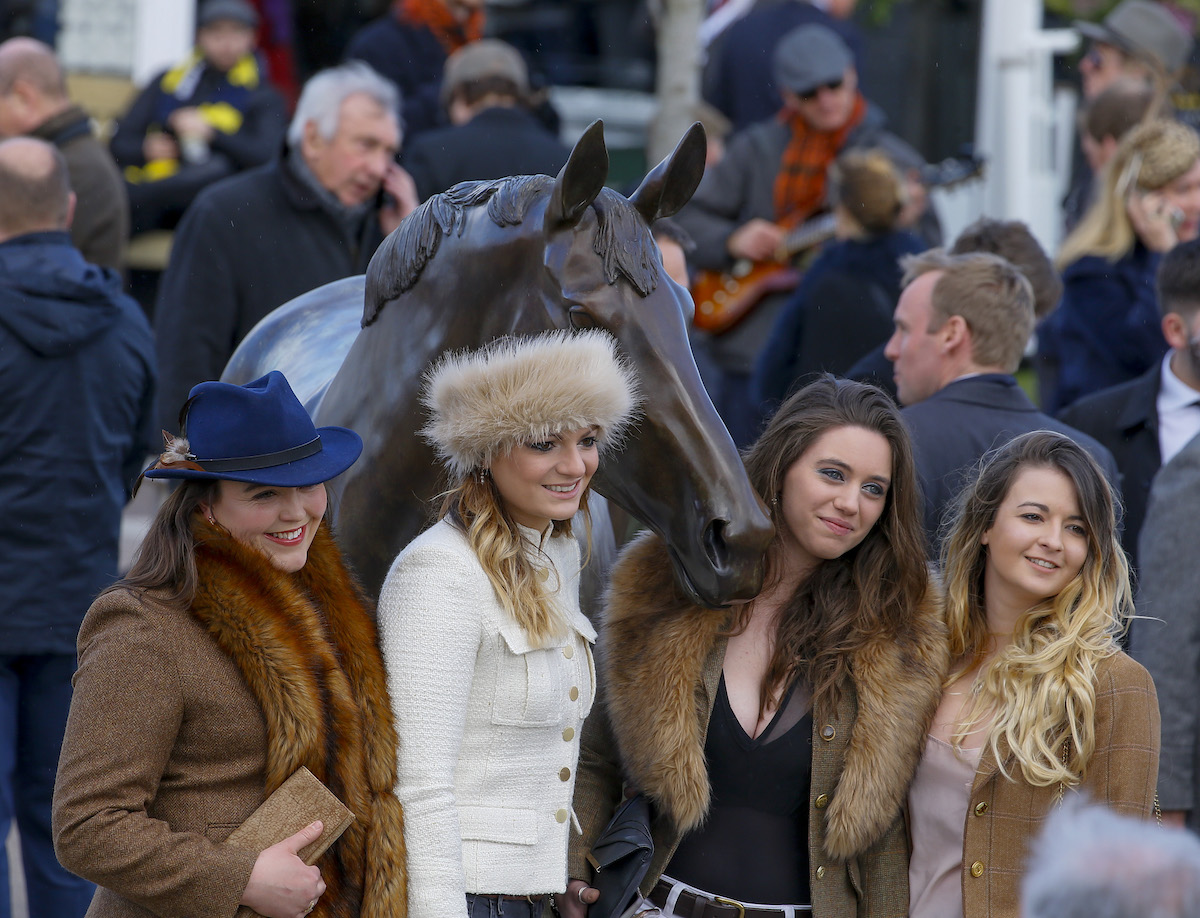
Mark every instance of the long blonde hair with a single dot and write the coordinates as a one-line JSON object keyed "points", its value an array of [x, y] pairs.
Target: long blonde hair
{"points": [[474, 505], [1149, 157], [1042, 687]]}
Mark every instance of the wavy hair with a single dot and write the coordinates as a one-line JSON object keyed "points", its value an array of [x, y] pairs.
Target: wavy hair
{"points": [[872, 589], [474, 506], [1041, 689], [1152, 155]]}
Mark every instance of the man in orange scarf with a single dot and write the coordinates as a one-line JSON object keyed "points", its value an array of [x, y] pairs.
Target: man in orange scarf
{"points": [[772, 179]]}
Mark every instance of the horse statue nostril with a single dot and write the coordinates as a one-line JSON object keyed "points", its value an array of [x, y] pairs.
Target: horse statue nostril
{"points": [[714, 543]]}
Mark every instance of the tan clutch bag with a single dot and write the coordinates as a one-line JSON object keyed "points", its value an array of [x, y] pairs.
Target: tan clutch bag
{"points": [[297, 802]]}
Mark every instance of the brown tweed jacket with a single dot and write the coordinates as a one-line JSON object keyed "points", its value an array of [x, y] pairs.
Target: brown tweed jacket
{"points": [[1005, 815], [183, 720], [660, 664]]}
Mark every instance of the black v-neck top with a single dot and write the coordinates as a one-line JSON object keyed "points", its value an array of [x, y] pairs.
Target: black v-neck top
{"points": [[753, 846]]}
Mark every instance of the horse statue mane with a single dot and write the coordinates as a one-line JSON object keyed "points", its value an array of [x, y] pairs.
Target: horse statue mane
{"points": [[623, 240]]}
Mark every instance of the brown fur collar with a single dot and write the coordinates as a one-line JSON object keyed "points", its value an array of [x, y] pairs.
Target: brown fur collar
{"points": [[309, 652], [655, 645]]}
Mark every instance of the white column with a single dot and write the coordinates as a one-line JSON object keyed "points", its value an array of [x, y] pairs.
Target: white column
{"points": [[1022, 129]]}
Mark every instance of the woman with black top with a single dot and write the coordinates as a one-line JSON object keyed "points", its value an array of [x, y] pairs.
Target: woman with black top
{"points": [[776, 740]]}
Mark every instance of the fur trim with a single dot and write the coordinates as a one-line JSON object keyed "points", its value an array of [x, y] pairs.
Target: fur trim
{"points": [[309, 653], [523, 390], [655, 645]]}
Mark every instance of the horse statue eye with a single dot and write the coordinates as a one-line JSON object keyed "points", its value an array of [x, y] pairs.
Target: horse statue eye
{"points": [[581, 319]]}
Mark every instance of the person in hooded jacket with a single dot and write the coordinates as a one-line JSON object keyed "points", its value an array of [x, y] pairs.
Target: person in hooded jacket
{"points": [[77, 372]]}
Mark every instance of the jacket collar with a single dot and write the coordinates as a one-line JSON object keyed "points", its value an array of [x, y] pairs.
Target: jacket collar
{"points": [[308, 651], [670, 654], [1141, 405], [991, 390]]}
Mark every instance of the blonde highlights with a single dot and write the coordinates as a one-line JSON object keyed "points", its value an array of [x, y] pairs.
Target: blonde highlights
{"points": [[1041, 689], [474, 505]]}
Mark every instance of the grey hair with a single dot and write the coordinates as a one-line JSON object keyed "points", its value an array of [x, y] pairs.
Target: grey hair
{"points": [[1089, 862], [323, 95]]}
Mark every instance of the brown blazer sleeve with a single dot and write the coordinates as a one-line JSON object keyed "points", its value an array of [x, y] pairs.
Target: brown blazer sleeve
{"points": [[1124, 771], [126, 716]]}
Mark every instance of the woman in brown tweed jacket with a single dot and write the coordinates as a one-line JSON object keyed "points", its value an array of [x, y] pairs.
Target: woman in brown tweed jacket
{"points": [[1040, 700], [777, 739], [238, 649]]}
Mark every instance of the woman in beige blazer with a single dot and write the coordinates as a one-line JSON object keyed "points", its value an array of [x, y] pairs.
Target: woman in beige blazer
{"points": [[1040, 701], [776, 740], [237, 650], [488, 654]]}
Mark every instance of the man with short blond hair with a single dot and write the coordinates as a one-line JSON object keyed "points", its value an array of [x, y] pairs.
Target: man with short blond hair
{"points": [[962, 324]]}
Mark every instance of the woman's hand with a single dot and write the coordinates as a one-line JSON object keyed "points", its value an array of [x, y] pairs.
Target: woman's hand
{"points": [[1154, 219], [575, 901], [281, 885]]}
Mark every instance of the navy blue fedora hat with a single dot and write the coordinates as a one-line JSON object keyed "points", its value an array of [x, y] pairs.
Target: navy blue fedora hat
{"points": [[257, 433]]}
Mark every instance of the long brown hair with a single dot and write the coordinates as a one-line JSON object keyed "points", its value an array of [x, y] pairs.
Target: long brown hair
{"points": [[871, 590], [167, 558]]}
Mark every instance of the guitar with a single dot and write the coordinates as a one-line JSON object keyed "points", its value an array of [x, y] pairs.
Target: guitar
{"points": [[724, 298]]}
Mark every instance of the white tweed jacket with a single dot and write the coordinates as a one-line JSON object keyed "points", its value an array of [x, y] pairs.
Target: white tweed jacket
{"points": [[488, 725]]}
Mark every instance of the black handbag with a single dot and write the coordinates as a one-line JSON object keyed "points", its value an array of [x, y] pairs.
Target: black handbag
{"points": [[620, 857]]}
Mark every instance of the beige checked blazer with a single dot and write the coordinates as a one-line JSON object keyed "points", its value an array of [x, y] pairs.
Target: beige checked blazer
{"points": [[1004, 815]]}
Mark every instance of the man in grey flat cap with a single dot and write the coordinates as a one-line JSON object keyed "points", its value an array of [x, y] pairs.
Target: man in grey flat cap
{"points": [[771, 180], [1139, 39]]}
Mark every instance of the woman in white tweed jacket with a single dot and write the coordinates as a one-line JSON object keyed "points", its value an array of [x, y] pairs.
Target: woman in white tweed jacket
{"points": [[488, 655]]}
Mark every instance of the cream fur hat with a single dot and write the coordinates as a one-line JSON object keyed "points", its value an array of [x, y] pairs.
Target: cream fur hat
{"points": [[524, 390]]}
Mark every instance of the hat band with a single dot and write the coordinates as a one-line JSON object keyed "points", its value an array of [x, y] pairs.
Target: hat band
{"points": [[263, 461]]}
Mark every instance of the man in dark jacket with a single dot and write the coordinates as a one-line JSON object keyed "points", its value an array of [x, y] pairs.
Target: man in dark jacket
{"points": [[256, 240], [210, 116], [491, 134], [76, 368], [962, 324], [34, 103], [1146, 421]]}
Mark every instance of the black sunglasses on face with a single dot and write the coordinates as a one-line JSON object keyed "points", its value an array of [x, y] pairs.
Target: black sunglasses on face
{"points": [[832, 86]]}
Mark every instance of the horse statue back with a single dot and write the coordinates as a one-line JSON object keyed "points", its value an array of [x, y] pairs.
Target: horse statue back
{"points": [[520, 256]]}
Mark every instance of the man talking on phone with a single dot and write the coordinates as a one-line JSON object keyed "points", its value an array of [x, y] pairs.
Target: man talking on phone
{"points": [[256, 240]]}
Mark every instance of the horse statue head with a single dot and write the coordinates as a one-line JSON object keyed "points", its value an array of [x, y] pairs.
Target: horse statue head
{"points": [[519, 256]]}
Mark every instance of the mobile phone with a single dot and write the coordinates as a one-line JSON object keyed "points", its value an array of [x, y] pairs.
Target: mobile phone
{"points": [[1129, 175]]}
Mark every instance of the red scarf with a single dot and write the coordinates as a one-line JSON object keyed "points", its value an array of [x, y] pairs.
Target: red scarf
{"points": [[800, 184], [436, 16]]}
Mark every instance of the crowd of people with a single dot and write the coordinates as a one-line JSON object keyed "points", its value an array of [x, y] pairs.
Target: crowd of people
{"points": [[978, 460]]}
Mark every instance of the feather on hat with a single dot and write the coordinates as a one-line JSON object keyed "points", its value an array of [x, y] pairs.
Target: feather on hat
{"points": [[525, 390]]}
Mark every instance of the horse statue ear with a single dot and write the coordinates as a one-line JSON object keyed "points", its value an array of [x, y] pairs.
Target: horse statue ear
{"points": [[580, 180], [672, 182]]}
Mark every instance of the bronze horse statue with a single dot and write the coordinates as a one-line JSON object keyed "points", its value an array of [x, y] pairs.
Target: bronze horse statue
{"points": [[520, 256]]}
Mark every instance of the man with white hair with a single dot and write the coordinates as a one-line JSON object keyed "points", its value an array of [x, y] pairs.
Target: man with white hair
{"points": [[1089, 862], [256, 240]]}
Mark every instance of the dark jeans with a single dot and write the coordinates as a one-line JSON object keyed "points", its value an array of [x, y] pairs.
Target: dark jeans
{"points": [[35, 694], [502, 907]]}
